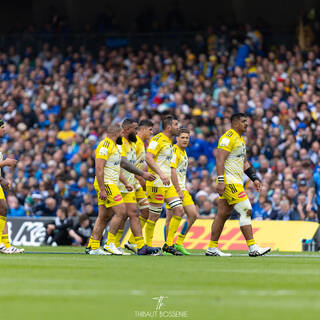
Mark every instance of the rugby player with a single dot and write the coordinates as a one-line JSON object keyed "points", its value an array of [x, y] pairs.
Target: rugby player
{"points": [[158, 157], [128, 189], [231, 163], [5, 246], [179, 166]]}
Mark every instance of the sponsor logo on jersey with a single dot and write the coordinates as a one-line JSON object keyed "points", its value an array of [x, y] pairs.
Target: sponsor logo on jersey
{"points": [[118, 197], [159, 197], [242, 194]]}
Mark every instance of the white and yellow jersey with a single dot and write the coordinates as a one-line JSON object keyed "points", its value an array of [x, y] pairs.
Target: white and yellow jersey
{"points": [[180, 163], [161, 147], [128, 150], [233, 166], [141, 154], [109, 151]]}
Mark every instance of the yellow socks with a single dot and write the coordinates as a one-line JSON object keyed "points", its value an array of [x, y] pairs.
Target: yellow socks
{"points": [[139, 242], [180, 239], [149, 232], [111, 238], [213, 244], [2, 223], [118, 238], [90, 241], [251, 242], [5, 240], [95, 244], [173, 227], [142, 222]]}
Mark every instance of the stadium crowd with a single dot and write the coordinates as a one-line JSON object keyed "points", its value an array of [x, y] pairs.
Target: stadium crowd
{"points": [[57, 102]]}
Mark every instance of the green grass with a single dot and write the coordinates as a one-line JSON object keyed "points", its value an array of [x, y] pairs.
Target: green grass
{"points": [[53, 286]]}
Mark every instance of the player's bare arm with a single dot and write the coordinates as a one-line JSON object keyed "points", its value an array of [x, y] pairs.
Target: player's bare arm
{"points": [[100, 163], [175, 182], [222, 155], [125, 182], [9, 162], [154, 167], [125, 164], [251, 173]]}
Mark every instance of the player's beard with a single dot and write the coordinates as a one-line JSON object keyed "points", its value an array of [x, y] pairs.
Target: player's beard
{"points": [[132, 137], [119, 140]]}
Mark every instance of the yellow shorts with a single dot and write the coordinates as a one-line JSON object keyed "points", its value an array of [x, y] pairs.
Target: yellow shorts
{"points": [[159, 194], [2, 194], [141, 194], [186, 201], [234, 193], [114, 197], [129, 197]]}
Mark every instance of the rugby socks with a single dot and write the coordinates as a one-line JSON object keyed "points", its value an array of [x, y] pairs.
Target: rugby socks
{"points": [[5, 240], [142, 222], [111, 238], [213, 244], [173, 227], [180, 239], [165, 233], [118, 238], [182, 234], [2, 224], [150, 225], [90, 242], [139, 242], [95, 244], [251, 242]]}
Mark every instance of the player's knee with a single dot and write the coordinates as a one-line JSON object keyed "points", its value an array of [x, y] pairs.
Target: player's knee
{"points": [[178, 211], [244, 209], [155, 210], [143, 204]]}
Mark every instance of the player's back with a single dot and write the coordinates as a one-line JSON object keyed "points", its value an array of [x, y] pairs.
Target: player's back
{"points": [[109, 151]]}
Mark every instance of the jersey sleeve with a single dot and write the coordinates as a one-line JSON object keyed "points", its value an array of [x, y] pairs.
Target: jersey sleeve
{"points": [[154, 146], [102, 152], [226, 143], [175, 158]]}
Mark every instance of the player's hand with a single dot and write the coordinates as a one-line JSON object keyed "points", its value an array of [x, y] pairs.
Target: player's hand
{"points": [[103, 195], [129, 187], [142, 182], [10, 162], [257, 185], [5, 184], [220, 188], [148, 176], [309, 207], [180, 194], [165, 179]]}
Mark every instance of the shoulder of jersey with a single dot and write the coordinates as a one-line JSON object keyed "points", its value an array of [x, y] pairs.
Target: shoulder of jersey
{"points": [[229, 133], [105, 143], [175, 148], [157, 137]]}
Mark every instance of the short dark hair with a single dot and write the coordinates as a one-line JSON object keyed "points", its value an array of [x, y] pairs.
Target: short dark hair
{"points": [[238, 116], [127, 122], [83, 217], [145, 123], [167, 121], [64, 210], [113, 128], [183, 130]]}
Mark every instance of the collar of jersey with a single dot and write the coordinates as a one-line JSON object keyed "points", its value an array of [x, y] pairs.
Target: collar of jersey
{"points": [[236, 132], [182, 151], [165, 137]]}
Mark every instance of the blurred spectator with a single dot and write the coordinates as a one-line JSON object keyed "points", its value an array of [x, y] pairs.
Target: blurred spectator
{"points": [[81, 232], [57, 231]]}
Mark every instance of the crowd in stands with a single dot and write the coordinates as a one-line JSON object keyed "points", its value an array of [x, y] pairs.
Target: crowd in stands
{"points": [[57, 103]]}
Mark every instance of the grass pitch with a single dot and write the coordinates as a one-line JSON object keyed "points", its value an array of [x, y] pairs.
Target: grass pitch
{"points": [[78, 286]]}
